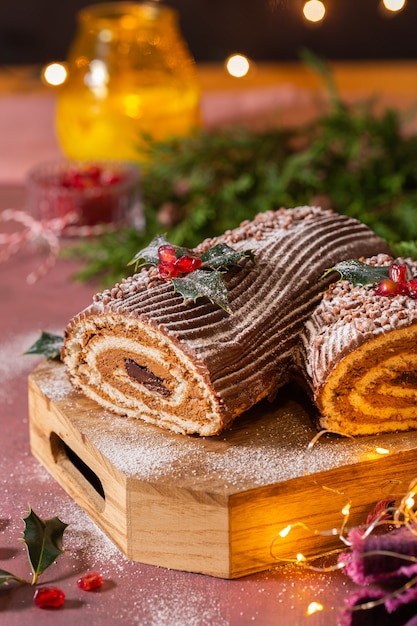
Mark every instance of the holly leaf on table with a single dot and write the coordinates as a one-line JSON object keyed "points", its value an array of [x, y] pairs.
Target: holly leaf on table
{"points": [[48, 345], [359, 273], [43, 540], [222, 256], [6, 577], [201, 283]]}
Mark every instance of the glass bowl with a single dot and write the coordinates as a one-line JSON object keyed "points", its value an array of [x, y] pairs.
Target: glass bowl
{"points": [[84, 194]]}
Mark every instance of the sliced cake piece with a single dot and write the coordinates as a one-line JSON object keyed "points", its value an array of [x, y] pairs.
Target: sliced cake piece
{"points": [[358, 352]]}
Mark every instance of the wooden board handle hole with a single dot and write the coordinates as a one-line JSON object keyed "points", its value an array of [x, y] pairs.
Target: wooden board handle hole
{"points": [[67, 458]]}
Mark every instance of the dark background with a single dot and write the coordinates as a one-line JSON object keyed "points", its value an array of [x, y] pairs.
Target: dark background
{"points": [[39, 31]]}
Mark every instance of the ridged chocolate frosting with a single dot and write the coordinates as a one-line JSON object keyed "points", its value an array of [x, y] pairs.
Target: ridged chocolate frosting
{"points": [[141, 351], [358, 355]]}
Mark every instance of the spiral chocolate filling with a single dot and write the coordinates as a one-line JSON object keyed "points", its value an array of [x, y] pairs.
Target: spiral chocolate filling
{"points": [[143, 375]]}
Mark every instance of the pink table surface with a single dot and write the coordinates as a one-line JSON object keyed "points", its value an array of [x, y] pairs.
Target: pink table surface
{"points": [[133, 593]]}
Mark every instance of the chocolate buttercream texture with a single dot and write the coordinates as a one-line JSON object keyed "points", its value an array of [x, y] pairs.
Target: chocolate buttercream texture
{"points": [[196, 367]]}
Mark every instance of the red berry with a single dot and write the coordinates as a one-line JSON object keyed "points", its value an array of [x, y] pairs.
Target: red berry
{"points": [[167, 270], [48, 597], [412, 288], [388, 287], [90, 581], [93, 172], [397, 272], [187, 263], [167, 253]]}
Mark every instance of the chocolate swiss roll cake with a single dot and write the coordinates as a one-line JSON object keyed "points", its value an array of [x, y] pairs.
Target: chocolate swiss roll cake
{"points": [[143, 351], [358, 351]]}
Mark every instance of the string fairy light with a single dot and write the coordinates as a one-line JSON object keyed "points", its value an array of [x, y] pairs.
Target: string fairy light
{"points": [[404, 514], [314, 607], [401, 516]]}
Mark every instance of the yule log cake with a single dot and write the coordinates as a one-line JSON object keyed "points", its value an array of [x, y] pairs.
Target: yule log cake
{"points": [[143, 351], [358, 351]]}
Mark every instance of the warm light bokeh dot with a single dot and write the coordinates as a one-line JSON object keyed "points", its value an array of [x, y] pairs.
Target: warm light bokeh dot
{"points": [[54, 74], [314, 607], [346, 509], [314, 10], [237, 65], [394, 5], [410, 502]]}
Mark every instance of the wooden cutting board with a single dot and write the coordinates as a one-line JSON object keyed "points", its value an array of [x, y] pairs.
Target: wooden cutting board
{"points": [[213, 505]]}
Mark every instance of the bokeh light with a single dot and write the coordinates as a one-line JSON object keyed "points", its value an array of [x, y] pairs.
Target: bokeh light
{"points": [[314, 10], [314, 607], [54, 74], [394, 5], [237, 65]]}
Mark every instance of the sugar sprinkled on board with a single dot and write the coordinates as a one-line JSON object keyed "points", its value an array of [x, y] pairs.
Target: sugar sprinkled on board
{"points": [[56, 386], [254, 452]]}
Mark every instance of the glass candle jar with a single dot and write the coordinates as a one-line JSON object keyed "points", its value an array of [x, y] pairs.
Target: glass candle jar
{"points": [[83, 195], [130, 76]]}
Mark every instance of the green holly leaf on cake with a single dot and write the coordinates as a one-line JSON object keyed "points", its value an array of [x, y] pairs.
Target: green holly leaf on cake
{"points": [[149, 255], [358, 273], [222, 256], [48, 345], [43, 540], [192, 275], [200, 284]]}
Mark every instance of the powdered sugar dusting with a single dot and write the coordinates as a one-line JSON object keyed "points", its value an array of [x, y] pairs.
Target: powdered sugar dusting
{"points": [[268, 445], [56, 386], [12, 360]]}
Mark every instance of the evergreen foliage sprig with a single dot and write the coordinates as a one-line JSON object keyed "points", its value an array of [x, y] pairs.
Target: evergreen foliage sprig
{"points": [[352, 159]]}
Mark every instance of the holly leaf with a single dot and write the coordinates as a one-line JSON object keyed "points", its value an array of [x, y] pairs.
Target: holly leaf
{"points": [[6, 577], [149, 255], [359, 273], [48, 345], [203, 284], [222, 256], [43, 540]]}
